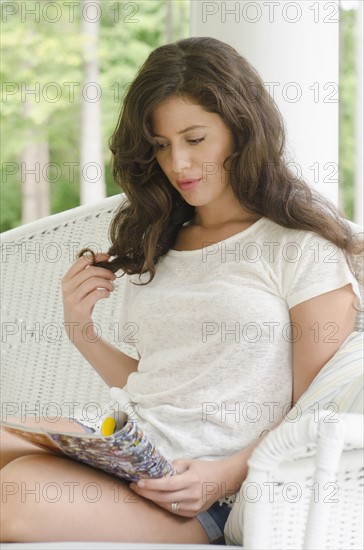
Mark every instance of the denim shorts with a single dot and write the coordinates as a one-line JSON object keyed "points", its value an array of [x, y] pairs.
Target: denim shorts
{"points": [[213, 521]]}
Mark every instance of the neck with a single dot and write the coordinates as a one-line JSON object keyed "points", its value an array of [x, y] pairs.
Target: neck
{"points": [[217, 220]]}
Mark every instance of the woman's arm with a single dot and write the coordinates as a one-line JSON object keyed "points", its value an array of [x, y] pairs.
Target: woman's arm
{"points": [[82, 286], [323, 323], [113, 365]]}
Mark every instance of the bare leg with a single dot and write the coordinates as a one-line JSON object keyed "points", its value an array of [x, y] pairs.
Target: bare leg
{"points": [[49, 498], [13, 447]]}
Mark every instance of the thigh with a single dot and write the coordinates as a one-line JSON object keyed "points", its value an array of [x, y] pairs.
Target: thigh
{"points": [[12, 447], [49, 498]]}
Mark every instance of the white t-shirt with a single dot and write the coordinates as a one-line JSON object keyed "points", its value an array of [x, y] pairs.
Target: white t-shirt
{"points": [[214, 336]]}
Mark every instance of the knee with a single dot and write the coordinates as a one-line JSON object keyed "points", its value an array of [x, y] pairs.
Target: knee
{"points": [[10, 496], [19, 488]]}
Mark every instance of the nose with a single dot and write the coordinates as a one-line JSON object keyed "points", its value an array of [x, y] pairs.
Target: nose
{"points": [[180, 160]]}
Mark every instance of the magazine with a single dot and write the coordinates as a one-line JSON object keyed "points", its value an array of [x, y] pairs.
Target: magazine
{"points": [[127, 453]]}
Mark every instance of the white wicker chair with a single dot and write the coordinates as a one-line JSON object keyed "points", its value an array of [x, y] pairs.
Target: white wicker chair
{"points": [[304, 487], [42, 372]]}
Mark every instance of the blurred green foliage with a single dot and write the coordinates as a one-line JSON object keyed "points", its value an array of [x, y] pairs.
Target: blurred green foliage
{"points": [[347, 87], [47, 57], [38, 53]]}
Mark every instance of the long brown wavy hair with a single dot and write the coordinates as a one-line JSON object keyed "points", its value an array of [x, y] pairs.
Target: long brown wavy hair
{"points": [[215, 76]]}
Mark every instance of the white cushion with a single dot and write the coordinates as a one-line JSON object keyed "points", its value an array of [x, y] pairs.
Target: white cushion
{"points": [[339, 384]]}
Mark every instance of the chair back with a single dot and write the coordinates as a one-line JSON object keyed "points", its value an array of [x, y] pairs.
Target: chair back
{"points": [[41, 370]]}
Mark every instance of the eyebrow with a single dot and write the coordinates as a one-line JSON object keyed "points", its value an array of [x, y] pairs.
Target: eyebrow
{"points": [[194, 127]]}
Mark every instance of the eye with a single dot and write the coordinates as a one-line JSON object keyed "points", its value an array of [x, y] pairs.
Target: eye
{"points": [[195, 141], [161, 146]]}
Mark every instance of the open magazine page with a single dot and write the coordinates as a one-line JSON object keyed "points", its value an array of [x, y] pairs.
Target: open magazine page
{"points": [[128, 453], [32, 435]]}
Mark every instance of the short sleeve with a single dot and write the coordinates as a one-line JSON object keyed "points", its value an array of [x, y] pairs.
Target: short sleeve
{"points": [[312, 266]]}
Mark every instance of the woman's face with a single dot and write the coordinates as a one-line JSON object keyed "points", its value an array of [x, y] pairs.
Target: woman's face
{"points": [[193, 145]]}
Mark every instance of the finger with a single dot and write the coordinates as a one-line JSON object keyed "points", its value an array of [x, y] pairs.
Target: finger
{"points": [[90, 285], [84, 261], [189, 501], [168, 483], [181, 465], [72, 285], [181, 509], [96, 256], [186, 508], [186, 495], [164, 497], [88, 305]]}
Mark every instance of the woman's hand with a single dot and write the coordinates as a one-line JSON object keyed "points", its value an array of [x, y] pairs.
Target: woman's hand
{"points": [[195, 487], [82, 286]]}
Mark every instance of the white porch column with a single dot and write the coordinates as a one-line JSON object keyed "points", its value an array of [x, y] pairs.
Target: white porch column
{"points": [[295, 48]]}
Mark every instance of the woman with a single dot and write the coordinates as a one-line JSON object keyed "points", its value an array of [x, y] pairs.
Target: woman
{"points": [[239, 285]]}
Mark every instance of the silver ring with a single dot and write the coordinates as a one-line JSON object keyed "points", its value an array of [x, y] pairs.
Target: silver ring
{"points": [[175, 506]]}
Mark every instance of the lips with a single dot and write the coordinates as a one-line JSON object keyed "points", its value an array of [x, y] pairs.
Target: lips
{"points": [[187, 184]]}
